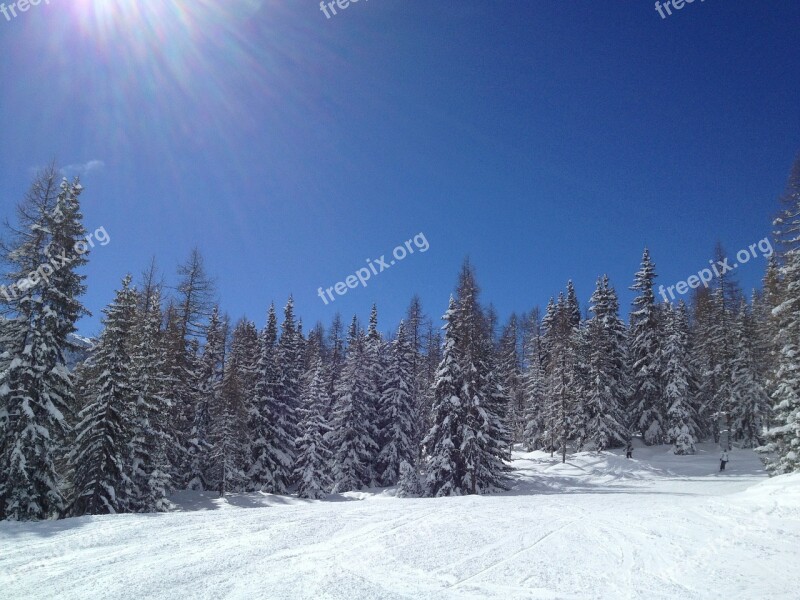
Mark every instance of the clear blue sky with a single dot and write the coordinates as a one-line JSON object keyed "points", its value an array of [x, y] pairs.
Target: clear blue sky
{"points": [[547, 140]]}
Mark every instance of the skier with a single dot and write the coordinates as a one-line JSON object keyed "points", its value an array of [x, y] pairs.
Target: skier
{"points": [[629, 450], [723, 460]]}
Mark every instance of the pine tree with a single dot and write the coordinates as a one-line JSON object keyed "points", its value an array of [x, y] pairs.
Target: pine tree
{"points": [[229, 419], [782, 448], [726, 297], [607, 376], [485, 445], [353, 437], [468, 445], [313, 454], [677, 381], [416, 322], [648, 413], [749, 400], [376, 364], [37, 398], [409, 485], [398, 412], [534, 436], [510, 372], [289, 369], [560, 382], [149, 469], [335, 357], [445, 464], [106, 428], [210, 371], [271, 420], [187, 319]]}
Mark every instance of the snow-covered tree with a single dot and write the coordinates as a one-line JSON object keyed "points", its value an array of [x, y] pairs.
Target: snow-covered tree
{"points": [[677, 381], [445, 465], [353, 435], [510, 373], [229, 418], [273, 418], [150, 477], [468, 445], [210, 369], [782, 448], [534, 434], [37, 397], [749, 401], [409, 485], [607, 373], [398, 412], [102, 473], [647, 410], [313, 454]]}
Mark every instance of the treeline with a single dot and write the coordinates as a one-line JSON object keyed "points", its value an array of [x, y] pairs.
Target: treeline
{"points": [[177, 396]]}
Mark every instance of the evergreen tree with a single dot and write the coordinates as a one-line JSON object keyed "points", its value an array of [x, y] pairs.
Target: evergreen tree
{"points": [[187, 319], [289, 356], [415, 325], [607, 370], [229, 418], [353, 437], [272, 419], [445, 464], [106, 428], [398, 412], [469, 440], [485, 445], [510, 373], [409, 485], [782, 448], [149, 469], [677, 381], [648, 413], [534, 435], [210, 371], [749, 400], [313, 454], [37, 398]]}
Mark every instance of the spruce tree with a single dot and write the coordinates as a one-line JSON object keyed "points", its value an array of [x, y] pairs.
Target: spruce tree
{"points": [[510, 373], [37, 398], [607, 375], [313, 454], [272, 419], [149, 469], [398, 411], [445, 464], [229, 418], [749, 400], [468, 444], [210, 371], [677, 376], [353, 435], [534, 436], [648, 413], [782, 448], [102, 470]]}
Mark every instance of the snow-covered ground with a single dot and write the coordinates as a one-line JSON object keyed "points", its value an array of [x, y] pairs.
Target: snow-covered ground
{"points": [[659, 526]]}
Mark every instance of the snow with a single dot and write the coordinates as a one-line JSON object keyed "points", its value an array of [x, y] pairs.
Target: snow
{"points": [[599, 526]]}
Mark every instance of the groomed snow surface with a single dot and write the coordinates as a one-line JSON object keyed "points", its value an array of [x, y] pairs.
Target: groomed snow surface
{"points": [[600, 526]]}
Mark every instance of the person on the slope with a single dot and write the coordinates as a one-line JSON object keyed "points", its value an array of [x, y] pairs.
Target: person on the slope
{"points": [[723, 460], [629, 450]]}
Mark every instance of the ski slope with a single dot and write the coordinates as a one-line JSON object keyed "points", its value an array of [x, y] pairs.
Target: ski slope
{"points": [[600, 526]]}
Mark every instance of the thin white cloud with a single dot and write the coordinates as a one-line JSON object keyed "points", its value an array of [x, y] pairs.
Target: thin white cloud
{"points": [[83, 169]]}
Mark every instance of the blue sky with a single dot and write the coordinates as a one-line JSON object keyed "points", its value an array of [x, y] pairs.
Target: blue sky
{"points": [[546, 140]]}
